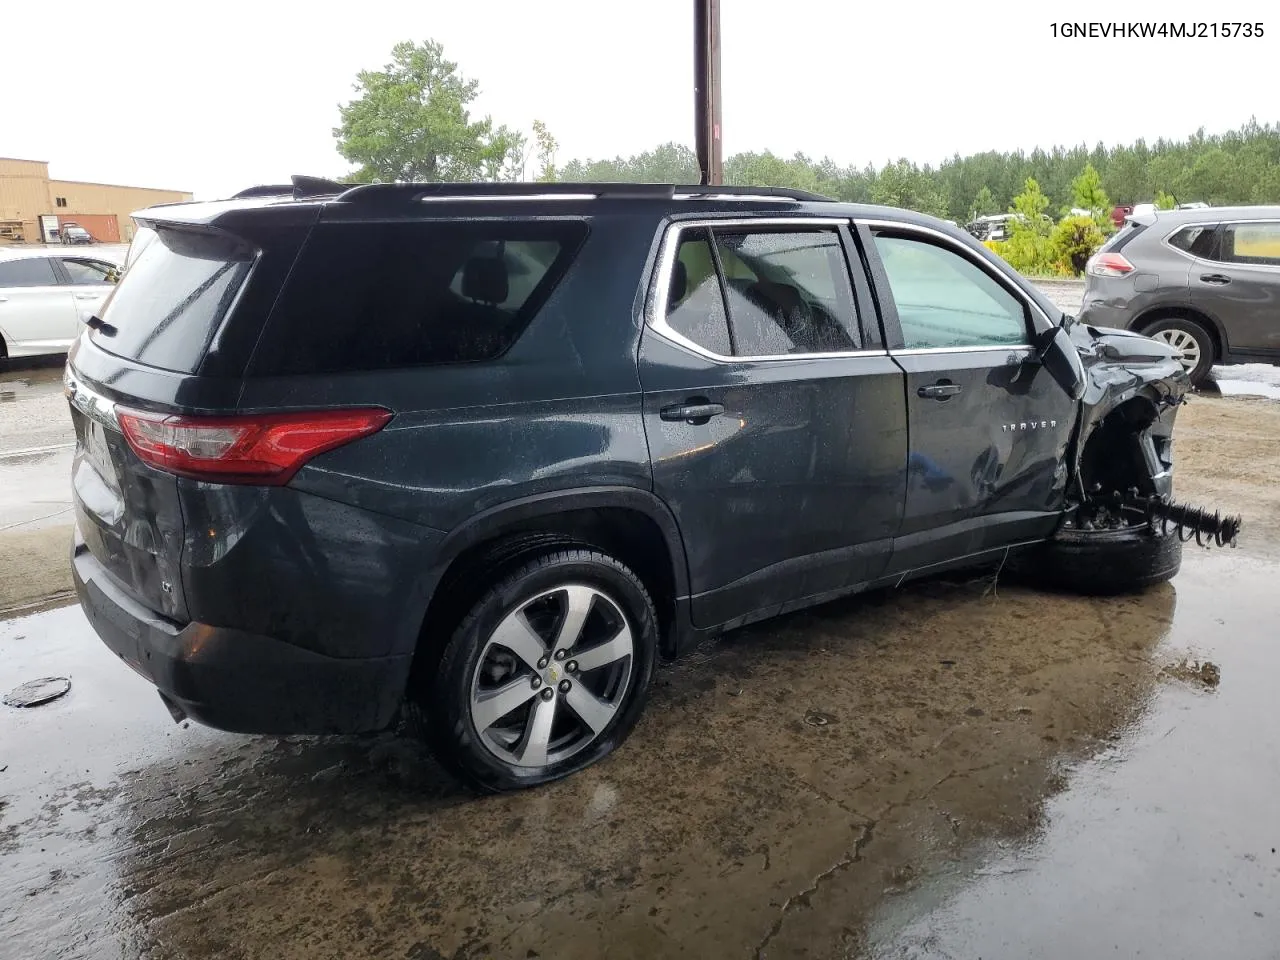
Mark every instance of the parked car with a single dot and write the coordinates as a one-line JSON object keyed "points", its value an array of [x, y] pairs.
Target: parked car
{"points": [[73, 233], [1204, 280], [993, 227], [45, 296], [473, 456]]}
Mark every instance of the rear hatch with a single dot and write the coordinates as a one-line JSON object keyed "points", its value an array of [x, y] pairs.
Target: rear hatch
{"points": [[154, 333]]}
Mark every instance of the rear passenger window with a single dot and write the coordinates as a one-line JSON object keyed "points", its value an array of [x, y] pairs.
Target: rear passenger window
{"points": [[763, 293], [1196, 240], [788, 292], [946, 300], [27, 272], [695, 305], [386, 295], [1257, 243]]}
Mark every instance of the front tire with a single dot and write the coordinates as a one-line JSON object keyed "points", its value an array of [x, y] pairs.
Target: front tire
{"points": [[545, 675], [1103, 562], [1192, 342]]}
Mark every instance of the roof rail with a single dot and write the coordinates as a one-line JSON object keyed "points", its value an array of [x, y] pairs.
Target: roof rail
{"points": [[374, 192], [719, 190], [300, 188]]}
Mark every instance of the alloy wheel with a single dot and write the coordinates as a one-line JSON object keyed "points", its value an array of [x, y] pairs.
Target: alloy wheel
{"points": [[1187, 347], [552, 675]]}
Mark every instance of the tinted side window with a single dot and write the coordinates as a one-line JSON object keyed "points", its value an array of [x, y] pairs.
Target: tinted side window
{"points": [[1257, 243], [788, 292], [1197, 239], [374, 296], [695, 306], [946, 300], [27, 272]]}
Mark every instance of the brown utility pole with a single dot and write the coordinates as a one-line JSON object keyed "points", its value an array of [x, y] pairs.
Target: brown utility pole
{"points": [[706, 90]]}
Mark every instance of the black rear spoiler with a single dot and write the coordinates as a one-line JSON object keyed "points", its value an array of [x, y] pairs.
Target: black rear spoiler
{"points": [[301, 187]]}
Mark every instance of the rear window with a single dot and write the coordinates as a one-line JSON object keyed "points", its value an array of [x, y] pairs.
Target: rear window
{"points": [[173, 297], [374, 296], [1121, 237]]}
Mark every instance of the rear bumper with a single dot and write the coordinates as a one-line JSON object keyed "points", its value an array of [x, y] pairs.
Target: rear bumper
{"points": [[1099, 313], [239, 681]]}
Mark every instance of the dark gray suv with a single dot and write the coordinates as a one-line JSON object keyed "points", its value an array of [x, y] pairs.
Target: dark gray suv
{"points": [[1206, 281], [473, 456]]}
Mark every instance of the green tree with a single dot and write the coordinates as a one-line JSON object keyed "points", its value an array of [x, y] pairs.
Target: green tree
{"points": [[1165, 201], [984, 204], [546, 146], [903, 184], [1031, 204], [1087, 194], [410, 122], [1074, 241], [1029, 248]]}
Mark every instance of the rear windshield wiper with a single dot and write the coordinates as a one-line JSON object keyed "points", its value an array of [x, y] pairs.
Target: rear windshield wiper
{"points": [[97, 323]]}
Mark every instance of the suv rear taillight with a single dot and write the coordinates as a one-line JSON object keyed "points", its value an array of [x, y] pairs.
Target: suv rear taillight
{"points": [[265, 449], [1109, 265]]}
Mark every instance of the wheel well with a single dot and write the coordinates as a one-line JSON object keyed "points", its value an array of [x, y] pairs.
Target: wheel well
{"points": [[1143, 323], [1111, 458], [628, 535]]}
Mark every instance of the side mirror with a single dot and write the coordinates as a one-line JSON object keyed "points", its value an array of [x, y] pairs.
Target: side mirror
{"points": [[1057, 353]]}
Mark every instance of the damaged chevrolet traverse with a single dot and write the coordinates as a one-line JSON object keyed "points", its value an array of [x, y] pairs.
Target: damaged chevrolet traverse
{"points": [[471, 457]]}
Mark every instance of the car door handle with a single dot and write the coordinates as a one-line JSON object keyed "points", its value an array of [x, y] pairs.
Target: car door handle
{"points": [[1217, 278], [88, 296], [939, 391], [696, 412]]}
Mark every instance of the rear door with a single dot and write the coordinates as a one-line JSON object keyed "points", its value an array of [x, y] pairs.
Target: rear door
{"points": [[1242, 288], [37, 313], [157, 326], [988, 425], [775, 421]]}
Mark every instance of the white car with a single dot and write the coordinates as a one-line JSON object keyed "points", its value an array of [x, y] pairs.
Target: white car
{"points": [[46, 295]]}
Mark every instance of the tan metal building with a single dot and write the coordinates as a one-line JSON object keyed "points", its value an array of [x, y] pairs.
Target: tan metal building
{"points": [[34, 208]]}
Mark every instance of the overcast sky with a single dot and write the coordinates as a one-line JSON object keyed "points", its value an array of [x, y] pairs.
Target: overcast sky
{"points": [[215, 96]]}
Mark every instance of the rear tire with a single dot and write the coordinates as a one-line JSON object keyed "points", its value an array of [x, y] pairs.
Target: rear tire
{"points": [[1191, 340], [1102, 562], [578, 599]]}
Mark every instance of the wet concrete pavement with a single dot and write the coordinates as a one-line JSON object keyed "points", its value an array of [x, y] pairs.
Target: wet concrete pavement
{"points": [[957, 769]]}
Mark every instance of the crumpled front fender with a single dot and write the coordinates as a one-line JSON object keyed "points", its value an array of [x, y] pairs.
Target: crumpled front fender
{"points": [[1122, 367]]}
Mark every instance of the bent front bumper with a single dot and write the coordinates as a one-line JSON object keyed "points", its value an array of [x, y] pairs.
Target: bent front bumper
{"points": [[234, 680]]}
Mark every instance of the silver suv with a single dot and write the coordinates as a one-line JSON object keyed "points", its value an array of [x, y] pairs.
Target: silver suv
{"points": [[1205, 281]]}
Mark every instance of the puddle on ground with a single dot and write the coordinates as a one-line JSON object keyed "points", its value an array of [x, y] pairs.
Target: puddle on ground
{"points": [[918, 773]]}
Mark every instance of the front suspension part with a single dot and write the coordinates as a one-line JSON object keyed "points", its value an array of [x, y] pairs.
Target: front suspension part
{"points": [[1188, 522]]}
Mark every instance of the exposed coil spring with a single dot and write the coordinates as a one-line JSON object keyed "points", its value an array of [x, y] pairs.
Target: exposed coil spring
{"points": [[1192, 523]]}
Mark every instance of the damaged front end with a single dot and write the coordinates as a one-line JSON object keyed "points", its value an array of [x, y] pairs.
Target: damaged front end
{"points": [[1122, 454]]}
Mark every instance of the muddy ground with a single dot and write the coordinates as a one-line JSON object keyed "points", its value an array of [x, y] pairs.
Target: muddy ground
{"points": [[960, 769]]}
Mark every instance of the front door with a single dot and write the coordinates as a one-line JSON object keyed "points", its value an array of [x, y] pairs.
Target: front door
{"points": [[775, 425], [988, 425], [1243, 289]]}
